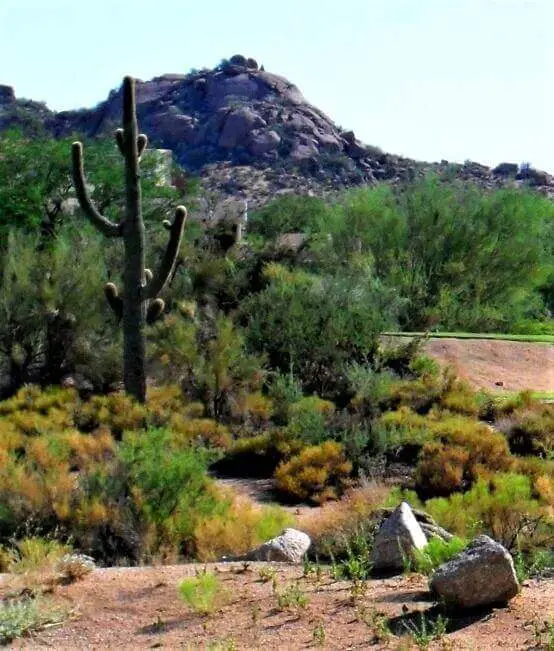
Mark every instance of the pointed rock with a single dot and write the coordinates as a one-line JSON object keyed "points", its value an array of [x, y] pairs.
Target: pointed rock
{"points": [[396, 539]]}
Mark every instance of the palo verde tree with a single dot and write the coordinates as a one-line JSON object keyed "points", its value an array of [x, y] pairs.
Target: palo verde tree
{"points": [[139, 302]]}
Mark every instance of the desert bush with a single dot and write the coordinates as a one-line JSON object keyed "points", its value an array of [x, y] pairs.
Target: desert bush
{"points": [[315, 325], [454, 282], [442, 470], [419, 394], [53, 323], [170, 484], [309, 418], [370, 388], [35, 554], [404, 427], [258, 456], [239, 529], [116, 411], [254, 410], [497, 407], [530, 431], [460, 398], [289, 213], [284, 391], [463, 451], [202, 432], [333, 527], [317, 473]]}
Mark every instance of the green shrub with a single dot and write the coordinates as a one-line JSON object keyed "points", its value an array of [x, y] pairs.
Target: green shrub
{"points": [[171, 484], [499, 507], [435, 553], [309, 418], [370, 388], [203, 593], [284, 390]]}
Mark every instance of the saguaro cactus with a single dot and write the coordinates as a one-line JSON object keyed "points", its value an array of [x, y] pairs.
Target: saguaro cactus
{"points": [[139, 303]]}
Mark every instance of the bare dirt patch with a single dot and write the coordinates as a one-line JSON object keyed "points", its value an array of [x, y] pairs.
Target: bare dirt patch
{"points": [[483, 363], [136, 608]]}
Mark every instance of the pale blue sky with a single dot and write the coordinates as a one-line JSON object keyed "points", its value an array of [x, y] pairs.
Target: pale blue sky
{"points": [[430, 79]]}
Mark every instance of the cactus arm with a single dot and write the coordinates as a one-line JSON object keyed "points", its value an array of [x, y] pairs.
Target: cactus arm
{"points": [[114, 299], [167, 264], [142, 141], [104, 225]]}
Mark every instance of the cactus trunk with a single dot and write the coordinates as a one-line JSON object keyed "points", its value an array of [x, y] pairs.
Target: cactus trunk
{"points": [[139, 303], [134, 307]]}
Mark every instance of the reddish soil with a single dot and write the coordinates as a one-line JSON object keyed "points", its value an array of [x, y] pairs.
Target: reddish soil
{"points": [[139, 608], [484, 363]]}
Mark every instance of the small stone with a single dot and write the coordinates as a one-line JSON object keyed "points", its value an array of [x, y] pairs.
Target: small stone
{"points": [[289, 547]]}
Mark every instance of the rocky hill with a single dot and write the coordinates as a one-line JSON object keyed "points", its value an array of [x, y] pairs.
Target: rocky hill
{"points": [[251, 133]]}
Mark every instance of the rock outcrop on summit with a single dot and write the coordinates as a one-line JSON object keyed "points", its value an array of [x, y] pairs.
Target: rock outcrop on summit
{"points": [[249, 132]]}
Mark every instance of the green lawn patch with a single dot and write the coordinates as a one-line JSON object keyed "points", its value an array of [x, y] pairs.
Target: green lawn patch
{"points": [[539, 339]]}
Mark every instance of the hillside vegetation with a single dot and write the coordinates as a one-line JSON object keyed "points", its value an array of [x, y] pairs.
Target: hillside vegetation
{"points": [[269, 362]]}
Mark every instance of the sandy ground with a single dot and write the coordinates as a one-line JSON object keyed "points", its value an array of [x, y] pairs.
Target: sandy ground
{"points": [[483, 363], [139, 608]]}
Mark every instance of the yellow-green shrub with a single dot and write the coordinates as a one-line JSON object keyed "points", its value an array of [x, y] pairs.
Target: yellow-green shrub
{"points": [[33, 398], [254, 409], [317, 473], [237, 530], [199, 431], [530, 431], [116, 411], [497, 507], [460, 398], [258, 456]]}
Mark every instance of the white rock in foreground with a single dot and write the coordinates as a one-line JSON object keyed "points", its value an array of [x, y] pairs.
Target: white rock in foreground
{"points": [[396, 539], [481, 575], [289, 547]]}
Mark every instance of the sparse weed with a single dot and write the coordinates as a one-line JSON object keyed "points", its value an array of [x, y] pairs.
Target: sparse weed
{"points": [[427, 631], [22, 617], [292, 598], [358, 590], [543, 634], [256, 612], [357, 564], [228, 644], [318, 634], [267, 573], [378, 622]]}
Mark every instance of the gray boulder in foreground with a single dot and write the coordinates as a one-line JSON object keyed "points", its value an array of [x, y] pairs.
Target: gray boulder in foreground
{"points": [[396, 539], [481, 575], [289, 547]]}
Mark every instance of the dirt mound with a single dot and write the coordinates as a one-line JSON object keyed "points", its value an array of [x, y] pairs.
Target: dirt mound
{"points": [[497, 365]]}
